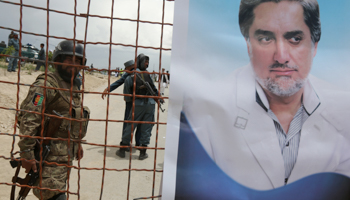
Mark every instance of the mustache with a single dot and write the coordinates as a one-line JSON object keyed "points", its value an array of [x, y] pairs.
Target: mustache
{"points": [[66, 76], [283, 66]]}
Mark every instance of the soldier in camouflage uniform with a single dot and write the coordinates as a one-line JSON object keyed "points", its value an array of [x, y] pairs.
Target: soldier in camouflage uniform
{"points": [[58, 102]]}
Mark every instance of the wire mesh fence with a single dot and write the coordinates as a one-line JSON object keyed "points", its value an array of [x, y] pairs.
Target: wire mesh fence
{"points": [[100, 174]]}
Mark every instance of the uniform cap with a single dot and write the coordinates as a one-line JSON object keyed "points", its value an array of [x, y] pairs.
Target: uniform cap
{"points": [[129, 63]]}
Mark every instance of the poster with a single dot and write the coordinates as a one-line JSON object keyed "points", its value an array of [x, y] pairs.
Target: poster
{"points": [[222, 140]]}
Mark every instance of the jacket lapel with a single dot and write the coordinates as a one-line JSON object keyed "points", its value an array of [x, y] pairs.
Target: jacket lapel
{"points": [[314, 138], [259, 133]]}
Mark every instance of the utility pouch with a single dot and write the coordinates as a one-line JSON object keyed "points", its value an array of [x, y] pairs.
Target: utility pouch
{"points": [[85, 116]]}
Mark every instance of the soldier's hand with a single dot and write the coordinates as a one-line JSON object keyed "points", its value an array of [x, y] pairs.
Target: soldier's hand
{"points": [[104, 93], [28, 165], [158, 102]]}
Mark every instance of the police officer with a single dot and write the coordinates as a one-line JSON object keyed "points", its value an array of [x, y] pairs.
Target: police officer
{"points": [[129, 66], [13, 62], [10, 37], [41, 57], [58, 103], [144, 108], [164, 81]]}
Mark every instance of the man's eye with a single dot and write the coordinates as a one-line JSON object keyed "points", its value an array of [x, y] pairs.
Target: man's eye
{"points": [[265, 39], [295, 40]]}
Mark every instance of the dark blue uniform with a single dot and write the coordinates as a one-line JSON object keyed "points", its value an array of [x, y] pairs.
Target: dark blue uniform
{"points": [[144, 111], [128, 106], [41, 61], [13, 63]]}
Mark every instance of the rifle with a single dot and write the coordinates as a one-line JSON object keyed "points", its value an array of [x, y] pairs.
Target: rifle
{"points": [[151, 91], [31, 177], [51, 126]]}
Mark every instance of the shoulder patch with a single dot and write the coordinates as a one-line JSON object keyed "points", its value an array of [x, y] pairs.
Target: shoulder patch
{"points": [[38, 99]]}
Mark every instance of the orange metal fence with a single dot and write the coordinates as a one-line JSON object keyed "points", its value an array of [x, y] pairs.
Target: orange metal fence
{"points": [[157, 123]]}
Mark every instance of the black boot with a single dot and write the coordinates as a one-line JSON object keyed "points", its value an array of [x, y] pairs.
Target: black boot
{"points": [[121, 151], [143, 154]]}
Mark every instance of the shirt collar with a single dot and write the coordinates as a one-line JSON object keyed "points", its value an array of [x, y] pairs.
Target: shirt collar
{"points": [[310, 98], [261, 95]]}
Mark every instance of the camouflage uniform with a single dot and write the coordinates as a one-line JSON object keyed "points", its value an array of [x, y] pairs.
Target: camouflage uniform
{"points": [[53, 176]]}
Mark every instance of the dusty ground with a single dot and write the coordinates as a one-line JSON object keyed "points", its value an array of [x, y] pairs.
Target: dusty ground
{"points": [[114, 183]]}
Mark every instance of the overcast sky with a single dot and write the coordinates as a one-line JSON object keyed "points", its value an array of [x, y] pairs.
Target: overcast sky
{"points": [[62, 25]]}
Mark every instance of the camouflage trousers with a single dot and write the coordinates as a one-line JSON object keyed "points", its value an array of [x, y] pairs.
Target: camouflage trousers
{"points": [[53, 177]]}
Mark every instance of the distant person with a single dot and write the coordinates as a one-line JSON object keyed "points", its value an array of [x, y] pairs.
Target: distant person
{"points": [[168, 76], [117, 72], [10, 37], [164, 82], [41, 57], [91, 68], [13, 61], [129, 66], [2, 44]]}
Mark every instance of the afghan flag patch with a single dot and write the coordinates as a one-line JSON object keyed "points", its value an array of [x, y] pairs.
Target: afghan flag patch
{"points": [[38, 99]]}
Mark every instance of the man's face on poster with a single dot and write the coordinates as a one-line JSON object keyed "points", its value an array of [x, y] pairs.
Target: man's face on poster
{"points": [[280, 47]]}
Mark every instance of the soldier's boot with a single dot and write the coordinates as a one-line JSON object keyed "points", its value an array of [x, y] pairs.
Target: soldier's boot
{"points": [[121, 151], [143, 154]]}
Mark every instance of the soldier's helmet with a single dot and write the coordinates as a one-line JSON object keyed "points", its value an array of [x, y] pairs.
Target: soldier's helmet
{"points": [[65, 48]]}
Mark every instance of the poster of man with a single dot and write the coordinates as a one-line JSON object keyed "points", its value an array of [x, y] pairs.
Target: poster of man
{"points": [[260, 101]]}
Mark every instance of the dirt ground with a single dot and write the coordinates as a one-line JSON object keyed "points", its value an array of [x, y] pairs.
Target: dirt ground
{"points": [[109, 183]]}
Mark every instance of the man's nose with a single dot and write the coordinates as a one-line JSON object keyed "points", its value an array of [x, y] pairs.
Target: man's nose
{"points": [[282, 53]]}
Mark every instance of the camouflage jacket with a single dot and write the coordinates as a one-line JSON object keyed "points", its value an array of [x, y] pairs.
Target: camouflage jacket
{"points": [[57, 103]]}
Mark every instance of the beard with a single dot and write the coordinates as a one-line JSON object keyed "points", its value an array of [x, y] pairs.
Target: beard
{"points": [[282, 86], [66, 76]]}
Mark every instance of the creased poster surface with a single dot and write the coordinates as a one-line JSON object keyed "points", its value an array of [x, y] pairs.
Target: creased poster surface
{"points": [[259, 101]]}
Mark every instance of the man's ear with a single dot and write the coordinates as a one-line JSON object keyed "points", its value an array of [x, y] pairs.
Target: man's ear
{"points": [[315, 49]]}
